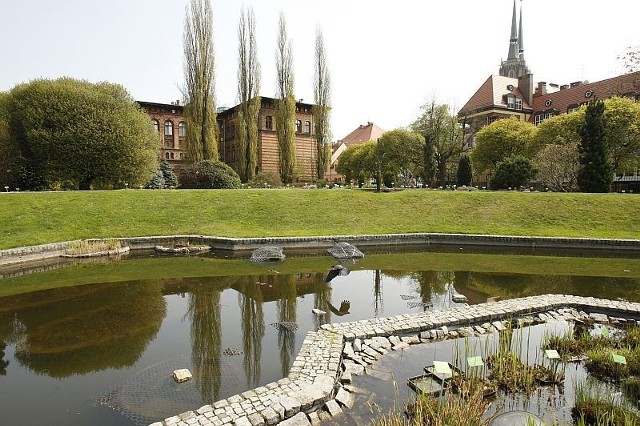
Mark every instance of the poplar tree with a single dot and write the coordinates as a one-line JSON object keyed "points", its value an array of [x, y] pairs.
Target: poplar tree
{"points": [[595, 174], [199, 90], [249, 100], [322, 107], [286, 104]]}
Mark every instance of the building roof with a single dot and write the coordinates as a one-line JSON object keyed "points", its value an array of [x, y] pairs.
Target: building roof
{"points": [[364, 133], [492, 94], [575, 94]]}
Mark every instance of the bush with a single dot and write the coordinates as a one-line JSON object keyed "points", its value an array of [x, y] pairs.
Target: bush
{"points": [[464, 171], [208, 175], [321, 183], [512, 173], [266, 179]]}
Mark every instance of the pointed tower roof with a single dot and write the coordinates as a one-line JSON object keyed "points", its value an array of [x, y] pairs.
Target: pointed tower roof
{"points": [[514, 48], [520, 36]]}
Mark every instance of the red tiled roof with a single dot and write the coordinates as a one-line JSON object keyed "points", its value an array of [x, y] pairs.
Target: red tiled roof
{"points": [[364, 133], [563, 99], [492, 94]]}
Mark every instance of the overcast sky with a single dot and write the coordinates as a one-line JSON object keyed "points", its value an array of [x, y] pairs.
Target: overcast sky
{"points": [[386, 58]]}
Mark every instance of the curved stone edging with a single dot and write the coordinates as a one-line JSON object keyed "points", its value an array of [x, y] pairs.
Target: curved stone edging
{"points": [[319, 369], [45, 251], [114, 252]]}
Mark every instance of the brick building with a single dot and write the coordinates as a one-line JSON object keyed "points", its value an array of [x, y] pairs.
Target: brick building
{"points": [[169, 122]]}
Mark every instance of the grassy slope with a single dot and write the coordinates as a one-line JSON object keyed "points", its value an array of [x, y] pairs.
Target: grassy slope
{"points": [[37, 218]]}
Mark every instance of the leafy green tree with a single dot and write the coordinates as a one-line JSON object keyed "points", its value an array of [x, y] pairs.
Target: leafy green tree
{"points": [[358, 162], [513, 172], [91, 134], [199, 91], [563, 129], [248, 93], [596, 173], [443, 136], [208, 175], [465, 172], [558, 167], [322, 107], [399, 153], [500, 140], [622, 133], [156, 182], [285, 104]]}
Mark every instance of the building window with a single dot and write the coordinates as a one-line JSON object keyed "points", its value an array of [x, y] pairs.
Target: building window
{"points": [[166, 155], [268, 122], [518, 104], [307, 127], [182, 129], [548, 115], [172, 155], [299, 126], [156, 124], [538, 119], [182, 156], [511, 102], [168, 128]]}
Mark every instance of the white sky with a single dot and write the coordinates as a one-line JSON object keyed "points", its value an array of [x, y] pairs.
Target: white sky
{"points": [[386, 58]]}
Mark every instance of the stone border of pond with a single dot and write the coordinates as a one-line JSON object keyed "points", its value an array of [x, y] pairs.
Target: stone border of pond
{"points": [[317, 386], [46, 251]]}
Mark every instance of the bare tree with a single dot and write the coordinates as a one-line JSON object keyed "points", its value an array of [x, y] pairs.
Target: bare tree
{"points": [[199, 89], [248, 96], [286, 104], [322, 108]]}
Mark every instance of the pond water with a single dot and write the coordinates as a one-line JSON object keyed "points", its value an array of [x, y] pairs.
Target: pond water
{"points": [[97, 342]]}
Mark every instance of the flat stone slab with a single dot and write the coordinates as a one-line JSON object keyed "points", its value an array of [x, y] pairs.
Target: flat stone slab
{"points": [[182, 375], [299, 419]]}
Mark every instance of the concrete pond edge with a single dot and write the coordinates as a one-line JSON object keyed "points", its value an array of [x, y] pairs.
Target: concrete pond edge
{"points": [[318, 384], [47, 251]]}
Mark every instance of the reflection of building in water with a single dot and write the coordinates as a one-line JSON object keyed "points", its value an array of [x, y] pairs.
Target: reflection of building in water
{"points": [[206, 338]]}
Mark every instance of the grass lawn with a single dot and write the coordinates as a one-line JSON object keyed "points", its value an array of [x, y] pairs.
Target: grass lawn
{"points": [[45, 217]]}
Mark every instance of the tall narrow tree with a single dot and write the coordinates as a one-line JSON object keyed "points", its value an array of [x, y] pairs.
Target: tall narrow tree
{"points": [[248, 96], [199, 89], [286, 104], [322, 108], [595, 174]]}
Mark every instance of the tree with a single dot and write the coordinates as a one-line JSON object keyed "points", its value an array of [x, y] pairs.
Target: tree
{"points": [[170, 178], [359, 162], [562, 129], [322, 107], [95, 135], [558, 166], [248, 94], [513, 172], [286, 104], [622, 133], [500, 140], [199, 89], [209, 175], [595, 174], [464, 171], [399, 154], [631, 59], [443, 134]]}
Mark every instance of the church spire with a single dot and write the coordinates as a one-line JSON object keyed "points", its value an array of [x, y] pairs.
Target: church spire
{"points": [[514, 48], [520, 37]]}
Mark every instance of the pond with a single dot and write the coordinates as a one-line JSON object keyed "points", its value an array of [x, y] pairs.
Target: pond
{"points": [[97, 343]]}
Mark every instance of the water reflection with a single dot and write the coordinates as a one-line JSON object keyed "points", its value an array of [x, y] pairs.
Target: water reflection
{"points": [[250, 300]]}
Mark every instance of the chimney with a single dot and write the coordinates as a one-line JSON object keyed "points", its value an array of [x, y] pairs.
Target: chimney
{"points": [[576, 83], [177, 101], [542, 88], [564, 87], [525, 84]]}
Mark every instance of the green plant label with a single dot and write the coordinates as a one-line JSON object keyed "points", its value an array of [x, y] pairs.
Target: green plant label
{"points": [[605, 331], [475, 361], [442, 367], [552, 354], [619, 359]]}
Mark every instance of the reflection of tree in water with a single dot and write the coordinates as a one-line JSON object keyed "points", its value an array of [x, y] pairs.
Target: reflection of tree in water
{"points": [[84, 329], [206, 337], [252, 320], [430, 283], [378, 304], [5, 331], [287, 304], [322, 300]]}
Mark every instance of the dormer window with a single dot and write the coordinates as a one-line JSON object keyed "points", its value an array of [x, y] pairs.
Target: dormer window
{"points": [[514, 102]]}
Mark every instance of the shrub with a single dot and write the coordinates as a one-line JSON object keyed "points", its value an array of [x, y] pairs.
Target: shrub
{"points": [[266, 179], [208, 175], [512, 173], [170, 178], [464, 171]]}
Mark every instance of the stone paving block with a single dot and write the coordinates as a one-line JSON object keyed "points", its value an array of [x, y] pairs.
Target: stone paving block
{"points": [[333, 408], [242, 421], [270, 416], [299, 419], [345, 398], [257, 420], [314, 418], [291, 405]]}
